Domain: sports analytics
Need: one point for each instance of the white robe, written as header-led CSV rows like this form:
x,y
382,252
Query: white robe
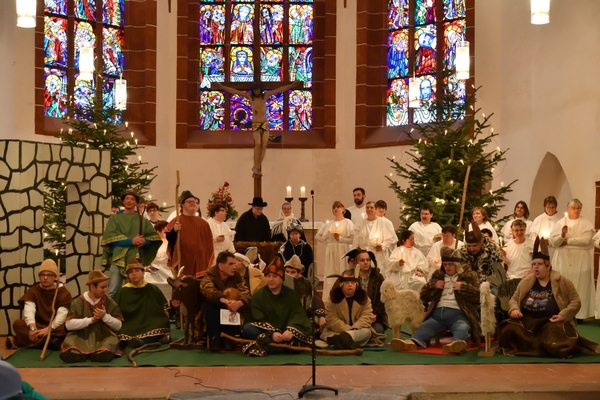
x,y
159,271
507,230
424,234
335,262
543,224
434,258
576,260
379,231
358,214
403,277
487,225
220,228
518,258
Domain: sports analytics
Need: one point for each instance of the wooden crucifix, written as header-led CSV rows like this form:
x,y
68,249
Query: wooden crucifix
x,y
260,122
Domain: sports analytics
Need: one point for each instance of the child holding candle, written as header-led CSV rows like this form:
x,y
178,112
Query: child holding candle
x,y
408,267
337,235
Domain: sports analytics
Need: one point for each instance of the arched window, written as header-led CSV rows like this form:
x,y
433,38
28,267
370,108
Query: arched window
x,y
418,23
248,42
68,26
406,39
99,25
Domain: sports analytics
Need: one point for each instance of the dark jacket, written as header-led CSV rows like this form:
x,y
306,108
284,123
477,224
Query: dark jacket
x,y
374,293
212,286
467,298
252,229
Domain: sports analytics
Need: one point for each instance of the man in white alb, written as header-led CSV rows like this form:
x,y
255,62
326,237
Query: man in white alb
x,y
358,210
375,234
425,230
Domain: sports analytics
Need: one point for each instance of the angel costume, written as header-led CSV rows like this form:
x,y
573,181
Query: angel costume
x,y
380,231
221,229
404,277
335,261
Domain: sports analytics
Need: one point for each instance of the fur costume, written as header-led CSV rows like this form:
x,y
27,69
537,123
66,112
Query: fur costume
x,y
489,253
488,303
536,336
338,315
467,297
401,306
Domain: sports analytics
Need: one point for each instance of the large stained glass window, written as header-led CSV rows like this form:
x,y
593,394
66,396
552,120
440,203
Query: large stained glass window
x,y
95,23
417,31
246,42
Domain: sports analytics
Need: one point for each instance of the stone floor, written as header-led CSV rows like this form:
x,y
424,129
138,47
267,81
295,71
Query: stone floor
x,y
420,382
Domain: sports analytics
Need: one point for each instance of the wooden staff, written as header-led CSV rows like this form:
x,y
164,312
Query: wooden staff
x,y
142,349
141,232
320,352
178,243
462,206
52,317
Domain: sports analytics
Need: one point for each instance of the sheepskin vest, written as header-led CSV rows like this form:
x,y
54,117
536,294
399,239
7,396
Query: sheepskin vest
x,y
467,298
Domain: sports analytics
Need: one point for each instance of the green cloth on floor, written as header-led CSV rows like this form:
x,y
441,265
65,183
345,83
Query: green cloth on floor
x,y
29,358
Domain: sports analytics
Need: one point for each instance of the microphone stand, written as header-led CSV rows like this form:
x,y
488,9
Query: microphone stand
x,y
309,388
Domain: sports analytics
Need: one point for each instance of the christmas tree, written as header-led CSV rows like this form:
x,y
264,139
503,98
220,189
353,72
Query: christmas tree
x,y
96,125
441,153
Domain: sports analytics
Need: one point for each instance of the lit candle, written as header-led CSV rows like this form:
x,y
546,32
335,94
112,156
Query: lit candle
x,y
289,191
402,253
363,215
302,191
56,251
566,216
501,244
164,204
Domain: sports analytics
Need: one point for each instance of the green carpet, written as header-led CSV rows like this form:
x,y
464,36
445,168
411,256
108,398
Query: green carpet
x,y
29,358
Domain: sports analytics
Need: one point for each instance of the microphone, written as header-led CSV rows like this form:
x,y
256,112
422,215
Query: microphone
x,y
312,193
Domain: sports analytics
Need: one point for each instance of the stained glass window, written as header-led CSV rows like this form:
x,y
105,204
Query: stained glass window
x,y
416,32
59,82
246,42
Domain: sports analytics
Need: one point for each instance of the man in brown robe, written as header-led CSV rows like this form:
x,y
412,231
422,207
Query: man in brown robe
x,y
196,238
37,311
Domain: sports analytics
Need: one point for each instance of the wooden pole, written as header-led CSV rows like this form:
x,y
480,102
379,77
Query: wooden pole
x,y
178,242
257,186
53,315
462,206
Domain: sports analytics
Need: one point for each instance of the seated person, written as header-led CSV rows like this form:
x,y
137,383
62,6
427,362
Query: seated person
x,y
215,282
451,299
159,270
276,316
144,309
93,320
542,314
448,238
294,267
37,311
253,277
12,387
349,315
370,280
408,268
279,231
295,245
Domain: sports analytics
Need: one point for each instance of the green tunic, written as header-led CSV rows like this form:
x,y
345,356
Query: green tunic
x,y
143,311
96,337
127,226
277,313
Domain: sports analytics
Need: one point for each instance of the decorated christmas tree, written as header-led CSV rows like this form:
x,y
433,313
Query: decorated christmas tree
x,y
442,152
96,125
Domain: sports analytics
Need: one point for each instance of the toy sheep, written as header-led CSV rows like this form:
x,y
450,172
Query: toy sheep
x,y
401,306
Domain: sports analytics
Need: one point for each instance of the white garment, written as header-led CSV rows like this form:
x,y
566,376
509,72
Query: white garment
x,y
367,234
403,277
220,228
487,225
434,258
29,310
576,260
172,216
358,213
448,298
518,258
159,271
424,234
335,262
75,324
543,224
507,230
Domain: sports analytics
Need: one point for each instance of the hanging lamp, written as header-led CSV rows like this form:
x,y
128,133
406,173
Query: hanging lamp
x,y
86,63
26,13
540,12
414,93
462,60
120,94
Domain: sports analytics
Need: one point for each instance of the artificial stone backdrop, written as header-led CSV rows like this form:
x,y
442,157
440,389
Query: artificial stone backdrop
x,y
24,166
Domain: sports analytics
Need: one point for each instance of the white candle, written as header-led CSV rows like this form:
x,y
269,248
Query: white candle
x,y
302,191
289,191
363,215
566,216
500,241
402,253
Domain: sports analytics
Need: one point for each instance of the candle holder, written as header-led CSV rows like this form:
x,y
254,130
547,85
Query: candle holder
x,y
302,209
289,199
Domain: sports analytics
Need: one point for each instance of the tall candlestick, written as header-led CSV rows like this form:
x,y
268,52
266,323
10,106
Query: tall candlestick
x,y
302,191
289,191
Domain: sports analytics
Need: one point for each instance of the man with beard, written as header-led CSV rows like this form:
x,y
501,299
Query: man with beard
x,y
358,210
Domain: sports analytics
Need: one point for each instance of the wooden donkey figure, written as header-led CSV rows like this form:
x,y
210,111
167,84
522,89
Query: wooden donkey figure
x,y
186,289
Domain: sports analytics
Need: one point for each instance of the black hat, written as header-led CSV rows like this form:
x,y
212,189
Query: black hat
x,y
186,194
131,193
258,202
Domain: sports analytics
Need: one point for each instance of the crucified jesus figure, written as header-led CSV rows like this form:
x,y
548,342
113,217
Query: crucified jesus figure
x,y
260,122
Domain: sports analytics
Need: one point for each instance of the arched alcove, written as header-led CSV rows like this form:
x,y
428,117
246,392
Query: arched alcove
x,y
549,181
